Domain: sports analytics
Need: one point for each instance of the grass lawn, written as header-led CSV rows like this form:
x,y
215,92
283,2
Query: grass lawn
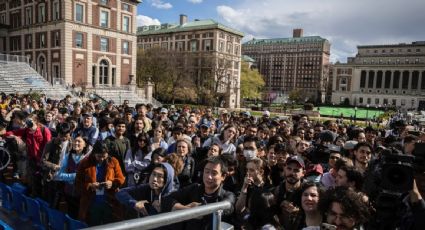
x,y
347,112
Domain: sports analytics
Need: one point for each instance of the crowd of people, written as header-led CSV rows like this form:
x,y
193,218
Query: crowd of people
x,y
103,163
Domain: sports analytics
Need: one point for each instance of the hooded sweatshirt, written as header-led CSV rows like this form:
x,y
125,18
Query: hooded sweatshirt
x,y
131,195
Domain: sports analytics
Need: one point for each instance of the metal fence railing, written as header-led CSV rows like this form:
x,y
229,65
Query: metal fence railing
x,y
13,58
168,218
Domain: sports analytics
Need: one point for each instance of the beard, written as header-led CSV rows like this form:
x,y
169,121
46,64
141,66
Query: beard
x,y
292,180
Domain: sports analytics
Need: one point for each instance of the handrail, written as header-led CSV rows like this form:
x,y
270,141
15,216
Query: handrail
x,y
13,58
168,218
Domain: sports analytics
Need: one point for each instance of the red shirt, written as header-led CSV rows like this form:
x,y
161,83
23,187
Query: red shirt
x,y
35,141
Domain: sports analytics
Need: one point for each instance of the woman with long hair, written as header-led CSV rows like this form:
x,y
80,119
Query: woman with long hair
x,y
67,173
225,139
255,181
265,216
137,160
309,216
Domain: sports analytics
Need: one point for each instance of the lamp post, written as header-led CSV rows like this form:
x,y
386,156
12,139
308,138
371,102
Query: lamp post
x,y
367,114
355,114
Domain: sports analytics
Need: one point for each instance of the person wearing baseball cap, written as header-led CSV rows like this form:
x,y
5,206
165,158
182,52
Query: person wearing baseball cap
x,y
294,171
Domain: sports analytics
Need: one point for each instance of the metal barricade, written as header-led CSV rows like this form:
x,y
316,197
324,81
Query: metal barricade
x,y
168,218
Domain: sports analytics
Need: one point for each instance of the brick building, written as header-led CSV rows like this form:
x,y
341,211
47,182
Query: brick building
x,y
201,38
300,62
381,76
86,42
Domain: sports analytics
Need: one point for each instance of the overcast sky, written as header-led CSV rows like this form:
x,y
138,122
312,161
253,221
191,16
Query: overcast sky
x,y
345,23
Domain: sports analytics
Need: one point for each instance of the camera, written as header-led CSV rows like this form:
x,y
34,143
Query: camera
x,y
397,172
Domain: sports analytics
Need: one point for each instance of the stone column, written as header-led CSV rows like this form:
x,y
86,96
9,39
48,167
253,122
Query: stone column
x,y
375,76
392,79
96,76
409,86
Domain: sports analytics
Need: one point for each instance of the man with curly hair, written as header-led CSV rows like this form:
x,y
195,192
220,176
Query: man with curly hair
x,y
344,208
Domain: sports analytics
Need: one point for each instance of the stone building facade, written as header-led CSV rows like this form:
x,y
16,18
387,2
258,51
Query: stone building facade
x,y
203,38
382,76
300,62
91,43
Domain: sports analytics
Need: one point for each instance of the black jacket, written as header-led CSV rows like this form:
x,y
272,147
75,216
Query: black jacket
x,y
196,193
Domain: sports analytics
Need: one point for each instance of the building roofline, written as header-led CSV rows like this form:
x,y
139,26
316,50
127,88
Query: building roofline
x,y
285,40
416,43
181,28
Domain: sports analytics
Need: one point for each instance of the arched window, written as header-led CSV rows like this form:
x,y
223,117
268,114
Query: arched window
x,y
103,72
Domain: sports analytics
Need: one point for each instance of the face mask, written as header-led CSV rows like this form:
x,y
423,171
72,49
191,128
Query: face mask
x,y
249,154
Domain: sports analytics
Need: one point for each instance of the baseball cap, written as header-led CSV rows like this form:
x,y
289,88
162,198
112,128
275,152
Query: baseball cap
x,y
349,145
206,124
111,102
314,169
246,113
266,113
164,110
87,115
296,159
334,148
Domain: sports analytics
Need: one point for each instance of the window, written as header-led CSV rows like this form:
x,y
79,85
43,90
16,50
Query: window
x,y
3,18
104,44
42,41
56,73
28,41
103,2
56,10
126,24
41,13
126,7
180,46
369,100
79,13
193,45
79,40
104,18
208,45
56,39
28,16
125,49
361,100
221,46
376,101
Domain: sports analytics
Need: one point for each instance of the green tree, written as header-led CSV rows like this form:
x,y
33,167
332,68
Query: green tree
x,y
252,83
297,95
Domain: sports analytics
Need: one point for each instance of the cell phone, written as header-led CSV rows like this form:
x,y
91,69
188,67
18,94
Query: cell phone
x,y
326,226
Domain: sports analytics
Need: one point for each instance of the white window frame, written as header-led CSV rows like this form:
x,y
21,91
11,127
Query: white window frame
x,y
104,47
124,28
28,15
41,9
56,10
126,50
108,13
42,40
82,13
78,40
126,7
57,39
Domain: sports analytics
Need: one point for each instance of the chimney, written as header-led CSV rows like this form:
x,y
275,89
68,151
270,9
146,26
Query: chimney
x,y
183,19
297,33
